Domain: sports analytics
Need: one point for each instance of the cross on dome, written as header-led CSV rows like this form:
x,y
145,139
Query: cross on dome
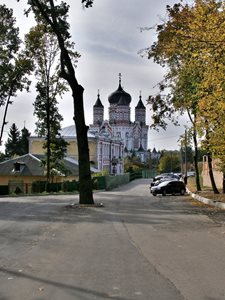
x,y
120,75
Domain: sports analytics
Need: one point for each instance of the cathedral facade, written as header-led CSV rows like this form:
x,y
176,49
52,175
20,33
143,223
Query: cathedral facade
x,y
119,126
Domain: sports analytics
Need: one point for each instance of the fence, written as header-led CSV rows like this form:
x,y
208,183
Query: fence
x,y
99,183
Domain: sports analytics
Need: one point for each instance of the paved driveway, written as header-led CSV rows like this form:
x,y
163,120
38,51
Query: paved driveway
x,y
135,247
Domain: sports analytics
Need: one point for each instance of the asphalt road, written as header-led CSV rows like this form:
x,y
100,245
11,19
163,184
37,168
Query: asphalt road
x,y
135,247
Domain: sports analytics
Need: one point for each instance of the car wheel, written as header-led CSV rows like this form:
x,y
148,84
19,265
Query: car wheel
x,y
154,194
182,192
164,192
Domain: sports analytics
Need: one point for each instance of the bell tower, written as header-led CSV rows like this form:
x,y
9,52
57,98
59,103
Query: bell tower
x,y
98,111
140,112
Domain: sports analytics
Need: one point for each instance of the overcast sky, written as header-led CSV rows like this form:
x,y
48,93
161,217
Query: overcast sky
x,y
108,38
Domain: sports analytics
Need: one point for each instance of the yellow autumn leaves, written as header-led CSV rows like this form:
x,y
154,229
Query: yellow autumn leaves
x,y
191,43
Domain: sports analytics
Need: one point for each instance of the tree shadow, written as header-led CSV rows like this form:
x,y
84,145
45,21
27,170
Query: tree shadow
x,y
63,286
120,205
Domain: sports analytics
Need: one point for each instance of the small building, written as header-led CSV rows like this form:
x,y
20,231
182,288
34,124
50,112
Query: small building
x,y
155,154
19,173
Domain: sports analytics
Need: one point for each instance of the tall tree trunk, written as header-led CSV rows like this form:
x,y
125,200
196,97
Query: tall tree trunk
x,y
223,182
85,182
209,155
48,133
215,190
193,121
68,73
197,177
5,114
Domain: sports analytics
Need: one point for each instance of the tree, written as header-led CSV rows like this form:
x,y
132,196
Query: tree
x,y
191,44
56,17
12,146
14,66
17,142
2,156
42,46
169,162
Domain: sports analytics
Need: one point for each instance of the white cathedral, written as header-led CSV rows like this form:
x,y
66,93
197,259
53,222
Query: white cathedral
x,y
133,135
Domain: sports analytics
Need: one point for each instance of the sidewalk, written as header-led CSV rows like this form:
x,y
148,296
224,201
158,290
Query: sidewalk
x,y
206,201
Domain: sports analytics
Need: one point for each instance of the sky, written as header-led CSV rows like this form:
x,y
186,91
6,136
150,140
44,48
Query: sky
x,y
109,39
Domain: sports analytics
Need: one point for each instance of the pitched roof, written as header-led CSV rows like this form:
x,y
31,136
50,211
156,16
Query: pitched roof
x,y
72,165
70,131
98,102
25,165
31,165
141,149
140,104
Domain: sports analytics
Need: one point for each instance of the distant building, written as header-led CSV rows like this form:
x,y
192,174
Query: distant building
x,y
119,126
104,152
155,154
109,140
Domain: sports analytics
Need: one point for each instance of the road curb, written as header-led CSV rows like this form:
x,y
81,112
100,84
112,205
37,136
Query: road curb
x,y
206,201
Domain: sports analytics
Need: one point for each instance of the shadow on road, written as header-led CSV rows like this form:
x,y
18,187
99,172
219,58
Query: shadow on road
x,y
59,285
123,204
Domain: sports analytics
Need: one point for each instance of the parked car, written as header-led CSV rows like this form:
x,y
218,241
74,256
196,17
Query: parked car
x,y
191,174
161,176
164,177
169,187
154,183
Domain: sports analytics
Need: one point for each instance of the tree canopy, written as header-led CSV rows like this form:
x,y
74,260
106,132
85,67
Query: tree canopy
x,y
191,44
14,65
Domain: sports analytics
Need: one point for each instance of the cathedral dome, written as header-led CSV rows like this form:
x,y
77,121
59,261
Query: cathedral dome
x,y
119,95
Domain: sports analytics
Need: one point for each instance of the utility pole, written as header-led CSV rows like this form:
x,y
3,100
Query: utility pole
x,y
185,157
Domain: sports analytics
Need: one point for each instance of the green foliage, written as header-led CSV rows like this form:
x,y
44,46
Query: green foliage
x,y
14,65
170,162
42,46
2,156
12,146
133,164
17,142
104,172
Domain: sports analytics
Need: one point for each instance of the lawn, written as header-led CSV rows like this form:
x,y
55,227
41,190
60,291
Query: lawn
x,y
206,192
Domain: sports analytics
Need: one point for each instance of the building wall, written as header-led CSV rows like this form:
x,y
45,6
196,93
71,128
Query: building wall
x,y
72,149
101,151
218,175
36,146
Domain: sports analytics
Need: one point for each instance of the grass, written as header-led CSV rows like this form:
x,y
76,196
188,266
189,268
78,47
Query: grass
x,y
206,192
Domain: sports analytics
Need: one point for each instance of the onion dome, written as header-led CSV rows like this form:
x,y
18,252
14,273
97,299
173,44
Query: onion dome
x,y
119,95
122,101
98,102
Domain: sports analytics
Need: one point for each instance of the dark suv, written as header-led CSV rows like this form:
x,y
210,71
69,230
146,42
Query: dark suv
x,y
169,187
